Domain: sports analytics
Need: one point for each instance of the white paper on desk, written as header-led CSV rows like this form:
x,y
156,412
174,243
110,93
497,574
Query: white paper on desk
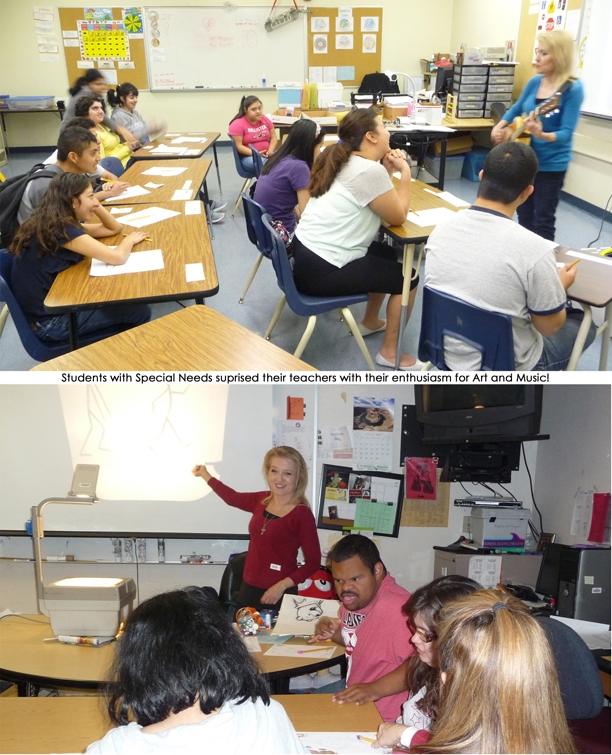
x,y
403,124
398,175
131,191
340,742
151,185
192,152
193,207
120,210
150,146
186,185
293,651
172,134
183,139
299,615
450,198
427,218
596,636
162,170
164,149
148,216
252,644
180,194
194,271
137,262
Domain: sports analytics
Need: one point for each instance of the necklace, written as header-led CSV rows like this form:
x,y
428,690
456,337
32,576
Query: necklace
x,y
270,517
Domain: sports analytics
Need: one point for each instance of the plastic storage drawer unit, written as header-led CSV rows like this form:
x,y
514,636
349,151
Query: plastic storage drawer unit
x,y
30,103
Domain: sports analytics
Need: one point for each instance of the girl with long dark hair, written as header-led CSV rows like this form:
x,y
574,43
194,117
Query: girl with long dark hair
x,y
251,129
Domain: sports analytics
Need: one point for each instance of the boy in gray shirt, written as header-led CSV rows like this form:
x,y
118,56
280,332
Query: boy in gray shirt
x,y
484,258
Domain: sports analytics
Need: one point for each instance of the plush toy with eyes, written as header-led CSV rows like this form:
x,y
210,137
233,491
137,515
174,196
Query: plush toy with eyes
x,y
319,585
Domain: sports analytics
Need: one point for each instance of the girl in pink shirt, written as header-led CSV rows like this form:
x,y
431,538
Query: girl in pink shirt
x,y
249,129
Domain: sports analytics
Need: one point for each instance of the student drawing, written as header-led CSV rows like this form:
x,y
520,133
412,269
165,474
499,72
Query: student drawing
x,y
300,615
307,610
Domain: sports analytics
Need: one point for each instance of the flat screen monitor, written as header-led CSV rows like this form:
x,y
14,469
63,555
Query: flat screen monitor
x,y
457,413
444,82
548,577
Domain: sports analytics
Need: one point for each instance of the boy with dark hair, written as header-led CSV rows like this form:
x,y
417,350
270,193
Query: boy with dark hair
x,y
483,258
371,626
77,152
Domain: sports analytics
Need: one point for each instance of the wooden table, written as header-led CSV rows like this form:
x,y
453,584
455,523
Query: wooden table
x,y
70,724
195,171
195,338
422,197
468,124
28,661
182,238
211,141
592,288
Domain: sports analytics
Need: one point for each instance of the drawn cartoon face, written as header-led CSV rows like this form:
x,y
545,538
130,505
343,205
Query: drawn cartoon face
x,y
307,610
318,585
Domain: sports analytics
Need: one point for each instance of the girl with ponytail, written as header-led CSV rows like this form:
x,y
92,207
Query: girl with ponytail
x,y
334,248
251,129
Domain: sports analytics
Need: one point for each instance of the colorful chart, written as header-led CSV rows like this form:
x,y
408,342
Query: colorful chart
x,y
103,41
132,19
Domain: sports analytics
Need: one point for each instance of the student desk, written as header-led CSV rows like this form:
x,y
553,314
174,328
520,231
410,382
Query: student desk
x,y
422,197
195,171
182,238
211,141
592,288
70,724
195,338
421,136
28,661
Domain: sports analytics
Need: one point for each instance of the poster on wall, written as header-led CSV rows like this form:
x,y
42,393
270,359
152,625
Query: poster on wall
x,y
103,41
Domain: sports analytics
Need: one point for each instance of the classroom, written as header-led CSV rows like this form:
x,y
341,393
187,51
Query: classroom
x,y
217,259
543,452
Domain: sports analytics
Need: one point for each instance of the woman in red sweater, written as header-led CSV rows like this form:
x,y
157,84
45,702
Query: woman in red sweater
x,y
281,524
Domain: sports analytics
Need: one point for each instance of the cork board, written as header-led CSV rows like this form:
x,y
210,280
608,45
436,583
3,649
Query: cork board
x,y
421,513
368,38
69,18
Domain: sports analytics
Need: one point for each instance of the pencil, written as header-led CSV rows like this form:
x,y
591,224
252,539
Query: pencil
x,y
365,739
145,239
575,262
109,180
312,650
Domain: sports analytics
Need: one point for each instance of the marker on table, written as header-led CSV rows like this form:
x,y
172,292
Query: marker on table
x,y
145,239
365,739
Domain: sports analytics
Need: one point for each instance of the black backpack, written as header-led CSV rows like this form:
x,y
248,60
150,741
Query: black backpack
x,y
11,192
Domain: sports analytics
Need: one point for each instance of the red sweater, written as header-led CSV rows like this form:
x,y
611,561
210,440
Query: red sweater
x,y
273,555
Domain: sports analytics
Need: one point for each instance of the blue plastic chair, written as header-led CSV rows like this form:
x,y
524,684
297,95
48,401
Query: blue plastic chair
x,y
253,212
39,350
247,175
304,305
488,332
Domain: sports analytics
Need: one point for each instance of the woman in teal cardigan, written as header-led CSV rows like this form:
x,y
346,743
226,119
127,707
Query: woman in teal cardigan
x,y
551,133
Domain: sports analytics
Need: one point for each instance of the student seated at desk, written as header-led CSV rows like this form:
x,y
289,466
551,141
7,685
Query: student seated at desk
x,y
186,677
251,129
282,187
59,234
484,258
123,100
334,247
499,690
110,144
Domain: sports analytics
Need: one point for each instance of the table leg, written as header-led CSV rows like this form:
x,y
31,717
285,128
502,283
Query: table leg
x,y
407,270
606,335
217,166
580,338
27,689
442,164
207,209
279,686
73,330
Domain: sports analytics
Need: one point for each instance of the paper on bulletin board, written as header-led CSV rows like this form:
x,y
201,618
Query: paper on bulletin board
x,y
294,434
334,443
583,509
428,513
344,41
486,570
319,44
368,43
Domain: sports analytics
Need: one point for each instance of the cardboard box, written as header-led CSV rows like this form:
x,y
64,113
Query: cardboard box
x,y
456,146
392,113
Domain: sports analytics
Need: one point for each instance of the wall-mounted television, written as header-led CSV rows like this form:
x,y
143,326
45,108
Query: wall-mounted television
x,y
472,413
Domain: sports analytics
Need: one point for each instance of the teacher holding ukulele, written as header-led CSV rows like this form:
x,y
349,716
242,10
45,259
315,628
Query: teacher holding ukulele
x,y
552,99
281,524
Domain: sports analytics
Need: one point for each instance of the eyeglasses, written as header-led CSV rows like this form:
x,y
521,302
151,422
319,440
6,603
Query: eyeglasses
x,y
427,638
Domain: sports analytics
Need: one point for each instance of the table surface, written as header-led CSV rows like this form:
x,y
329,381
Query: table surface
x,y
145,154
22,651
182,238
421,198
195,338
69,724
593,284
195,171
468,124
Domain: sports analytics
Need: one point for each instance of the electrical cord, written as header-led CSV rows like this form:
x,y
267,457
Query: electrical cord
x,y
603,217
507,491
531,488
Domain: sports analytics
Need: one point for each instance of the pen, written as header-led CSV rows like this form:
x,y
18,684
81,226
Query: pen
x,y
145,239
365,739
575,262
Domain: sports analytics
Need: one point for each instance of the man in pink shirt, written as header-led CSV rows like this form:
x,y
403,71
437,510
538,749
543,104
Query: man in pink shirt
x,y
371,626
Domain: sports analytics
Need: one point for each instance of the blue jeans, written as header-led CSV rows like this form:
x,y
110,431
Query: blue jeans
x,y
247,163
91,320
558,348
537,214
113,165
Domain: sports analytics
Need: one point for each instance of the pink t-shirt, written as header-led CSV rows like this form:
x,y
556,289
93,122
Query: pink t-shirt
x,y
377,641
253,135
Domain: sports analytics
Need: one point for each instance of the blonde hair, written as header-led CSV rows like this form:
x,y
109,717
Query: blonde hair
x,y
301,483
501,692
560,45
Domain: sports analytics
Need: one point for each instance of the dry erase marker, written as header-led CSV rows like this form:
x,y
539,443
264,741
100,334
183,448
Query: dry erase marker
x,y
575,262
365,739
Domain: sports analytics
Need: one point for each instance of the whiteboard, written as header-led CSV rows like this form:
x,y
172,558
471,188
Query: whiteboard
x,y
595,36
221,48
37,436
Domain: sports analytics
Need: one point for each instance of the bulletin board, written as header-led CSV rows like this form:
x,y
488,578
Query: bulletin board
x,y
123,39
364,33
